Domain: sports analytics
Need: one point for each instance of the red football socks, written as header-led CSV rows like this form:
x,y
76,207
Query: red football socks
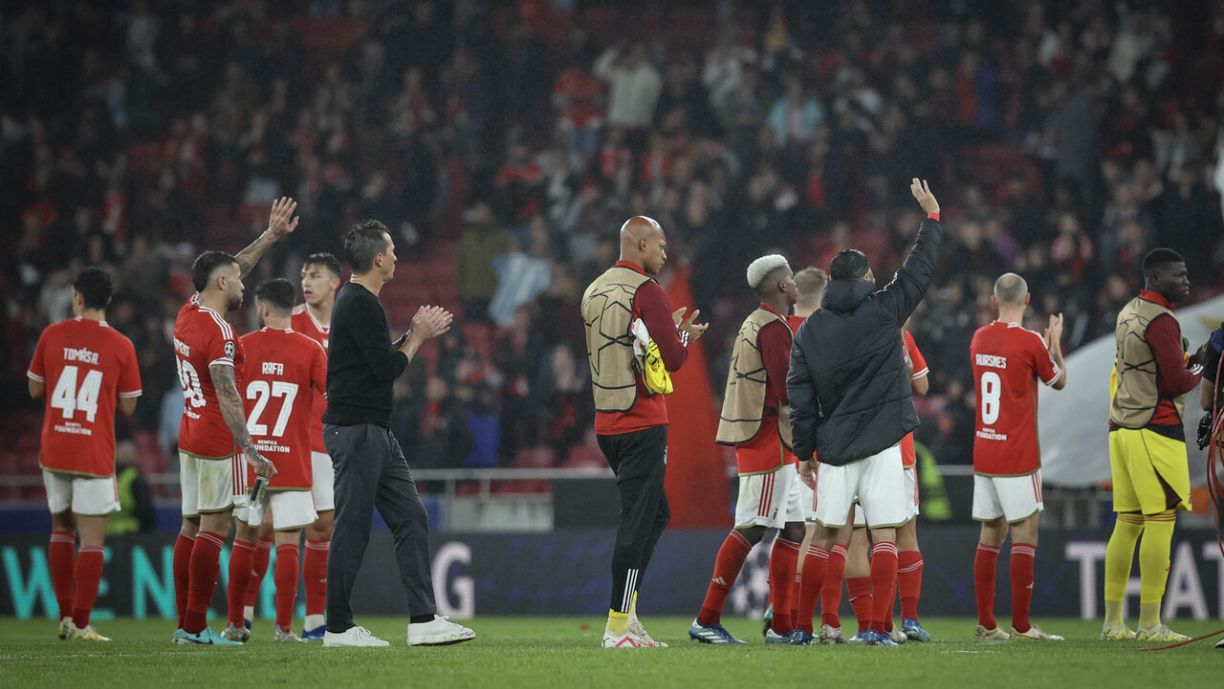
x,y
259,567
909,580
183,546
314,572
985,564
859,589
831,590
883,582
239,578
286,577
88,574
783,560
1023,557
61,556
727,566
811,582
205,567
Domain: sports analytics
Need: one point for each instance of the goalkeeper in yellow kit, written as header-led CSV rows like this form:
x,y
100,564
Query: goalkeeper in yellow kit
x,y
1147,445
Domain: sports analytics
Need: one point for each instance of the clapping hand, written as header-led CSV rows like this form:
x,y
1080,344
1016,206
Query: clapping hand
x,y
430,322
1053,332
689,325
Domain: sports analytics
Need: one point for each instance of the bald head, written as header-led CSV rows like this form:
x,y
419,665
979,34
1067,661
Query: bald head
x,y
1010,290
643,242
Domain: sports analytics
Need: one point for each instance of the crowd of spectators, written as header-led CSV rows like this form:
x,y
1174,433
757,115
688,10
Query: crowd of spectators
x,y
506,141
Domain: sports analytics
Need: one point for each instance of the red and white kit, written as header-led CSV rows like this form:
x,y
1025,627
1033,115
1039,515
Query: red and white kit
x,y
285,371
323,488
211,471
1007,361
86,366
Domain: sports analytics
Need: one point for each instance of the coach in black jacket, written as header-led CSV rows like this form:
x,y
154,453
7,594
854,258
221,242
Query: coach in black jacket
x,y
851,400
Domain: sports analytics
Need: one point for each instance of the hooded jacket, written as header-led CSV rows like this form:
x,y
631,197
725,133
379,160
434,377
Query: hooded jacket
x,y
849,393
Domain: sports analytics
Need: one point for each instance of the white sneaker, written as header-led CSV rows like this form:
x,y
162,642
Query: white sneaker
x,y
65,628
438,632
635,626
626,640
354,637
1221,644
1036,633
831,635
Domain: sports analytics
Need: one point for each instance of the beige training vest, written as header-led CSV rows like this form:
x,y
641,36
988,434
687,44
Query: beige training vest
x,y
744,397
1134,402
607,311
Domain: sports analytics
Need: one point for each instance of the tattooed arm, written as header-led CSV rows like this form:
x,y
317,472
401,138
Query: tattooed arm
x,y
235,417
279,225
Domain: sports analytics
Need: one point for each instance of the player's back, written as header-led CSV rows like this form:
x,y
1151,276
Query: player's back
x,y
285,371
86,366
202,339
1007,361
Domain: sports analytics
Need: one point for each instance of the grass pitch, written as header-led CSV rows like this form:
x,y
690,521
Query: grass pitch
x,y
539,652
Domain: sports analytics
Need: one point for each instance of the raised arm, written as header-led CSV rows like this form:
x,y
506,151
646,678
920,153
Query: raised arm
x,y
235,417
279,225
909,286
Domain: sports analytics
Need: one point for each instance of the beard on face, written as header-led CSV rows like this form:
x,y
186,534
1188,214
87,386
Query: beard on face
x,y
235,302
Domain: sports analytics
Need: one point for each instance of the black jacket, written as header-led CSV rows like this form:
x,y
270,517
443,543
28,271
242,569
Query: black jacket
x,y
849,394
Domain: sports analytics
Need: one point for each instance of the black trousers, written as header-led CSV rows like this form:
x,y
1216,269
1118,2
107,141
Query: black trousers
x,y
639,461
371,472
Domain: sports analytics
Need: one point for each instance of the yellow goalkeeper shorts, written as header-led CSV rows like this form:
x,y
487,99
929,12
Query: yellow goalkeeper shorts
x,y
1151,472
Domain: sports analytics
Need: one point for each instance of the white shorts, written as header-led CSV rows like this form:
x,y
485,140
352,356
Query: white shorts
x,y
770,500
322,482
911,492
877,483
1015,498
211,485
84,495
291,509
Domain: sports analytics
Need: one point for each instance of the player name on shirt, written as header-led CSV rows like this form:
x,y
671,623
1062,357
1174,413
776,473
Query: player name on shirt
x,y
81,355
991,361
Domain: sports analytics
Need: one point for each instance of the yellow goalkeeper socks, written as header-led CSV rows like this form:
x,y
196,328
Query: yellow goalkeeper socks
x,y
1154,565
618,622
1119,554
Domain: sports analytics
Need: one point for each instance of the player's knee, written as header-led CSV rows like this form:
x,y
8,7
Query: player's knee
x,y
752,534
64,521
792,531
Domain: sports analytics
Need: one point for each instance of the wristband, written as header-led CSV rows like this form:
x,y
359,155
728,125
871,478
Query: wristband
x,y
934,216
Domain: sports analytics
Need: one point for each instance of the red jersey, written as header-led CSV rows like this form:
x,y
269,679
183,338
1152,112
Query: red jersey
x,y
305,323
285,372
203,338
86,365
1008,360
917,362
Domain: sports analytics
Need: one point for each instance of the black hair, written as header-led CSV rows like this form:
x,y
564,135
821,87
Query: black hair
x,y
849,264
278,294
94,286
326,260
1160,257
366,240
204,265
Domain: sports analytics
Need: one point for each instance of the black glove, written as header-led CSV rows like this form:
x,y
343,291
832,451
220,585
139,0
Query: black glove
x,y
1204,431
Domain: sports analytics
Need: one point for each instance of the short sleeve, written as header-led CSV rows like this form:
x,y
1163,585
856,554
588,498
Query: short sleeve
x,y
38,365
222,348
1043,362
129,372
917,361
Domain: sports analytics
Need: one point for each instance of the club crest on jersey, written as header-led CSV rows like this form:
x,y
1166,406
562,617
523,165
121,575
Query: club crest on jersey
x,y
229,349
